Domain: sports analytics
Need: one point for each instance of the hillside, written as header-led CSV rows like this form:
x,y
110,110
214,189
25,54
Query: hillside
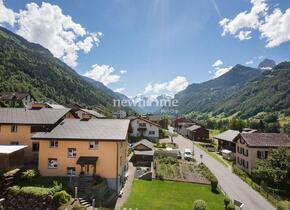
x,y
269,92
205,96
26,66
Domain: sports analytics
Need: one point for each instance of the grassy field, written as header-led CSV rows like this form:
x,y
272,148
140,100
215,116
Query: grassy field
x,y
168,195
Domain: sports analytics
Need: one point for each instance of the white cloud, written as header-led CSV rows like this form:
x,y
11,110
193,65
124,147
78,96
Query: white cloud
x,y
244,35
249,62
46,24
177,84
245,19
123,71
103,73
6,15
274,27
217,63
218,69
119,90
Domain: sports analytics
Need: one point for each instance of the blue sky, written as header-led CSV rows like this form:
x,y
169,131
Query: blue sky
x,y
157,41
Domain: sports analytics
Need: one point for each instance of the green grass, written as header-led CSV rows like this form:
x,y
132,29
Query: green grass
x,y
213,155
168,195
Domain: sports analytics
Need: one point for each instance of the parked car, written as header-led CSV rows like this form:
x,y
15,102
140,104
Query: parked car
x,y
188,154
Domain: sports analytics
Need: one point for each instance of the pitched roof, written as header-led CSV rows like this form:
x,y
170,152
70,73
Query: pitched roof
x,y
193,128
8,149
266,139
55,106
44,116
93,129
148,121
146,152
145,142
8,96
94,113
229,135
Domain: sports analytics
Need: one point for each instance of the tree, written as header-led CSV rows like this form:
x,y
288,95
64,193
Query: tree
x,y
29,174
275,170
199,205
231,207
227,201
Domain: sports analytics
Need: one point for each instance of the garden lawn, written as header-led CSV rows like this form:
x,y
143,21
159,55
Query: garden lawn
x,y
169,195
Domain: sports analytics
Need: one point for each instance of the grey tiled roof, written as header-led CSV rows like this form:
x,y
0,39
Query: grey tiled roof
x,y
145,142
94,129
193,127
266,139
44,116
94,113
229,135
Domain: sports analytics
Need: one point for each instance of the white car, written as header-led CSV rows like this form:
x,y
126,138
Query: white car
x,y
188,154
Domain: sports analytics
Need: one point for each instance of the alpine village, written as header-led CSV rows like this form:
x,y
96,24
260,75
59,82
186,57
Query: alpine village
x,y
64,145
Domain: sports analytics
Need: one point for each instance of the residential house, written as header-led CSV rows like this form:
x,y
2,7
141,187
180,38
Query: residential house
x,y
227,140
11,156
197,133
94,147
144,128
143,152
39,105
18,125
120,114
182,127
17,99
253,146
158,119
89,114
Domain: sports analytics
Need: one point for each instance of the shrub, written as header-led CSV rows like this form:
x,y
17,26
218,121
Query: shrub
x,y
29,174
214,184
199,205
78,207
227,201
56,187
36,191
231,207
283,205
61,197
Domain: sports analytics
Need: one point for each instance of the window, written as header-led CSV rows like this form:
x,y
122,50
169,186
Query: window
x,y
14,143
245,152
151,132
53,144
242,141
13,128
72,152
71,171
93,145
35,147
142,124
52,163
262,154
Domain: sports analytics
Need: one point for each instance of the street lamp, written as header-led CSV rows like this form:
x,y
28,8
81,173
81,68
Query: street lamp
x,y
201,156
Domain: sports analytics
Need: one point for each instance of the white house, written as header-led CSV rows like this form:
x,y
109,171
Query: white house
x,y
120,114
145,128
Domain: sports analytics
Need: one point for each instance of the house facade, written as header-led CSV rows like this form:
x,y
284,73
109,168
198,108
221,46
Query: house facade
x,y
197,133
227,140
143,153
17,99
251,147
144,128
18,125
93,147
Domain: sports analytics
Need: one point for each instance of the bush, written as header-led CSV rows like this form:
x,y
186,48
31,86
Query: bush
x,y
231,207
36,191
61,197
214,184
283,205
78,207
29,174
226,201
199,205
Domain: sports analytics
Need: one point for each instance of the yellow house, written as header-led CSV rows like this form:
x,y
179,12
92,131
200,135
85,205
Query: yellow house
x,y
85,147
18,125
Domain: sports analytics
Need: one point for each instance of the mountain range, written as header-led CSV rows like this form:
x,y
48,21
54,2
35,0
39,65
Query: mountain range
x,y
26,66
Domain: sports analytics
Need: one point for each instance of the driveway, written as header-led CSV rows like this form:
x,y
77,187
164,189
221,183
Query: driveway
x,y
231,184
127,188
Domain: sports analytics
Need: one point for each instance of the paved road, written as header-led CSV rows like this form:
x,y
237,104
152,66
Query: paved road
x,y
231,184
127,188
